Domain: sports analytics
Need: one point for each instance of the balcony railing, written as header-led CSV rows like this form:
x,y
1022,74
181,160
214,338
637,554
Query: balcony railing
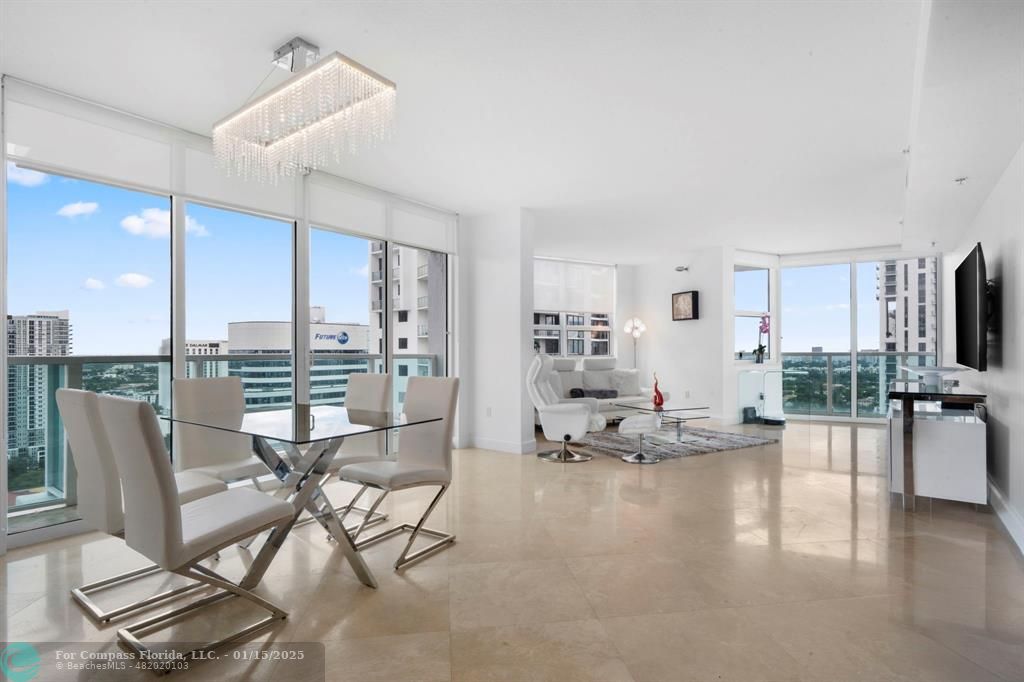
x,y
41,473
825,389
422,302
376,246
376,305
396,272
421,272
376,276
422,330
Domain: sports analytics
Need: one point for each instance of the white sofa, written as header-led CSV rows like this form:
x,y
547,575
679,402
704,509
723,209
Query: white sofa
x,y
597,374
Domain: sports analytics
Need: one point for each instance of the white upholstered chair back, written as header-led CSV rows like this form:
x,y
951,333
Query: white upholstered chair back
x,y
218,401
152,511
429,446
538,382
99,488
371,392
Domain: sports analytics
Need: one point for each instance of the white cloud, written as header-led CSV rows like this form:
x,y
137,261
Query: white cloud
x,y
93,283
78,208
134,280
361,272
156,223
26,177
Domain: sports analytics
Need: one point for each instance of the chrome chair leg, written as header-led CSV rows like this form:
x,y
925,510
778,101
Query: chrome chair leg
x,y
366,519
405,559
132,634
564,455
343,510
81,595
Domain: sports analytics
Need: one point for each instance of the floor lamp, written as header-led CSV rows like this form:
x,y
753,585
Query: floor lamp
x,y
635,327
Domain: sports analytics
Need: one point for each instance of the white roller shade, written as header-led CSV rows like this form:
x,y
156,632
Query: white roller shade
x,y
204,180
65,135
422,227
573,287
344,206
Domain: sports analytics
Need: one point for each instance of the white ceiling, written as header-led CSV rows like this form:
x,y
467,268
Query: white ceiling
x,y
971,119
630,128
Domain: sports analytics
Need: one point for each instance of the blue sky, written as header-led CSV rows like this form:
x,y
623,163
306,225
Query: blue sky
x,y
103,253
815,307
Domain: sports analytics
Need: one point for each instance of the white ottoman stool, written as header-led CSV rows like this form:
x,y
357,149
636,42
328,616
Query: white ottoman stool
x,y
640,425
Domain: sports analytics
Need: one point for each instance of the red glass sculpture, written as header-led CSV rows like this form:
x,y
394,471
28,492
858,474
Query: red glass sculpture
x,y
659,399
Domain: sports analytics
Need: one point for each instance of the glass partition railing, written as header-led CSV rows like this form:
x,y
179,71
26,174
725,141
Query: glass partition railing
x,y
41,476
827,387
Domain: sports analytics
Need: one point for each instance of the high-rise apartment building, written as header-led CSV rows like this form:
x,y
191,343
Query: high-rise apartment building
x,y
907,291
41,334
418,286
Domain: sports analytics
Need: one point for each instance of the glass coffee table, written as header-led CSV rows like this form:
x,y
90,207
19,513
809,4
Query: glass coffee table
x,y
670,414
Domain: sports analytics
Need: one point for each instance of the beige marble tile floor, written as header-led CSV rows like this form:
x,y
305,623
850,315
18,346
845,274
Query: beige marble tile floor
x,y
781,562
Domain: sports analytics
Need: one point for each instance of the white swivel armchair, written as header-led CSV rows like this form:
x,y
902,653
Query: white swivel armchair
x,y
176,536
561,419
221,454
99,497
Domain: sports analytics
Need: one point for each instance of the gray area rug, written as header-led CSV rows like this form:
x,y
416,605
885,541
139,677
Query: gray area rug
x,y
662,444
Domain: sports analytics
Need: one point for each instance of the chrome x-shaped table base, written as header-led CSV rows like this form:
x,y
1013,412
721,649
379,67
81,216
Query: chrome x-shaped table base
x,y
301,475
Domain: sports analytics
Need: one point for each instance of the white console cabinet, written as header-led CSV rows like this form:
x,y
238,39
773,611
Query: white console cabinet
x,y
949,453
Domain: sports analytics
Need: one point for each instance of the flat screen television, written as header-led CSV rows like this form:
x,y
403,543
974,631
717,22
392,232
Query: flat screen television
x,y
972,311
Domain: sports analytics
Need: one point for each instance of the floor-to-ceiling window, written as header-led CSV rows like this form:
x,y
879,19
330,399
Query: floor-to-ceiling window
x,y
88,287
896,325
238,297
344,329
816,339
574,308
418,283
892,305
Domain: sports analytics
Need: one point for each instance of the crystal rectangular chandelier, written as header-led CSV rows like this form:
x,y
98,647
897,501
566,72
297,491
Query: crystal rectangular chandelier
x,y
333,107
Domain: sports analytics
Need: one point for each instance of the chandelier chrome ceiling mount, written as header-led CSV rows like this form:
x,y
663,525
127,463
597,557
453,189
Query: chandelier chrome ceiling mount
x,y
330,107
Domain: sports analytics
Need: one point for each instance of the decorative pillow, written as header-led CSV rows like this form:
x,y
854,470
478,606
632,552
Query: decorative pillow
x,y
598,393
601,380
569,381
626,381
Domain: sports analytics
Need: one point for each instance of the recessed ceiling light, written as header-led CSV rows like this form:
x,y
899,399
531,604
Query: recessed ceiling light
x,y
961,180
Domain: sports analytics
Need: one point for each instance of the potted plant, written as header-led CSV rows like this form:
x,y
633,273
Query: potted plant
x,y
762,330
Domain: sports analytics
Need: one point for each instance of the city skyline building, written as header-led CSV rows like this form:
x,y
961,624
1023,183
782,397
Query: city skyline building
x,y
907,295
40,334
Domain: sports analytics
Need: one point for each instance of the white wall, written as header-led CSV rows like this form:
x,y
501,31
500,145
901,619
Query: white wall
x,y
999,226
688,356
496,280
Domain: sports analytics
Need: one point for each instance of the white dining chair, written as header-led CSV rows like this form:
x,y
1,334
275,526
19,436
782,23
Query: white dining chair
x,y
176,536
99,497
424,459
226,455
369,393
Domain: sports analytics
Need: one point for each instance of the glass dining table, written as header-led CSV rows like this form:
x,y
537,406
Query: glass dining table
x,y
297,444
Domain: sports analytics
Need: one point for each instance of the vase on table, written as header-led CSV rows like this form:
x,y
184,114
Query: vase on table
x,y
657,398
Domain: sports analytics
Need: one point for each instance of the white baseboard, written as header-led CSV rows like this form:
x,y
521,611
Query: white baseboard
x,y
524,448
60,530
1011,519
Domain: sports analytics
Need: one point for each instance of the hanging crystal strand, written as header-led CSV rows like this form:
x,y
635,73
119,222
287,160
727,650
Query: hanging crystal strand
x,y
333,111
